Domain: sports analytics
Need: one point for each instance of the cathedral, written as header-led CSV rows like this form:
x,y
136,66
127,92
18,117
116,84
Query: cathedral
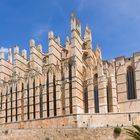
x,y
69,86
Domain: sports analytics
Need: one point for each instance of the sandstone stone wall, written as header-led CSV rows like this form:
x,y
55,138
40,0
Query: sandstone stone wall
x,y
62,134
59,85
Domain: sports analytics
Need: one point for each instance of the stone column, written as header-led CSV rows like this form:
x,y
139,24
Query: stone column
x,y
37,99
114,93
121,79
19,99
137,73
51,109
25,100
31,98
102,83
44,94
90,95
66,92
58,92
8,105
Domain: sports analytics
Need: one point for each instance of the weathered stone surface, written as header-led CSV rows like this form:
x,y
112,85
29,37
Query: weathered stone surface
x,y
62,134
69,87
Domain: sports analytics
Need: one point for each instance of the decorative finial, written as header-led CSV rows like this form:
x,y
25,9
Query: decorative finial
x,y
32,43
16,49
87,34
72,13
67,39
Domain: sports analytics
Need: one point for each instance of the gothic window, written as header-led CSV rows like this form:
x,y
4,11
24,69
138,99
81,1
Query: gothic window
x,y
22,102
1,101
85,97
96,99
70,88
85,100
109,98
11,103
95,80
41,101
63,91
28,105
47,88
96,96
6,106
16,104
54,96
131,93
34,96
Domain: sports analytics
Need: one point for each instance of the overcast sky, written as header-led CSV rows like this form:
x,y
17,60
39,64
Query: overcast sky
x,y
115,24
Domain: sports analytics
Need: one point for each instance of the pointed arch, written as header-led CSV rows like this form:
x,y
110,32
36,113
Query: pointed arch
x,y
11,103
22,101
6,105
85,91
47,91
28,101
109,97
85,96
16,104
131,92
96,99
34,96
54,95
96,94
1,101
70,88
41,101
63,91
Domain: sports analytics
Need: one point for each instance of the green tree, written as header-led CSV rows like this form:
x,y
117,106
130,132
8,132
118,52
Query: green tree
x,y
134,133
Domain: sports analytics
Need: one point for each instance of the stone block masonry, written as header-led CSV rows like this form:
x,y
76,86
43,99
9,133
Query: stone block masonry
x,y
70,86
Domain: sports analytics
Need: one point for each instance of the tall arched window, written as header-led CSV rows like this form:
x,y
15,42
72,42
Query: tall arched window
x,y
6,102
54,96
96,95
70,88
63,91
109,98
16,104
34,109
96,99
1,101
41,101
85,100
22,102
11,103
131,92
28,101
47,91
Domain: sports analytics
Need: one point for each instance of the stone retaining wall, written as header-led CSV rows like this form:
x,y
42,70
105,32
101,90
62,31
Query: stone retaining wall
x,y
62,134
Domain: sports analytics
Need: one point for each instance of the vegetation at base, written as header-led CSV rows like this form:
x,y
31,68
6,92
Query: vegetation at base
x,y
134,133
117,130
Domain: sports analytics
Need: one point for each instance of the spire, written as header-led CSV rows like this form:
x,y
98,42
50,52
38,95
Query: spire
x,y
16,49
24,54
78,26
32,43
10,55
72,14
98,51
87,34
67,41
97,47
73,21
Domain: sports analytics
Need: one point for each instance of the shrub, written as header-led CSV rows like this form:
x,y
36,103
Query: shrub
x,y
117,130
